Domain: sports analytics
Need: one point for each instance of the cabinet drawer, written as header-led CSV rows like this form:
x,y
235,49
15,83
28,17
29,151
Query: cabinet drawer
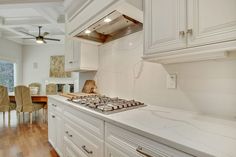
x,y
71,150
55,106
131,143
86,142
92,125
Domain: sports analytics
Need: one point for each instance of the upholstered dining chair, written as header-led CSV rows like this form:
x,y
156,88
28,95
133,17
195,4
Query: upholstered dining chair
x,y
5,105
24,102
51,89
38,85
35,84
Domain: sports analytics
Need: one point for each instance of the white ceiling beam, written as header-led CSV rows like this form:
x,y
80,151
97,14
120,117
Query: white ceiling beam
x,y
9,22
52,16
12,30
29,1
8,28
19,41
28,4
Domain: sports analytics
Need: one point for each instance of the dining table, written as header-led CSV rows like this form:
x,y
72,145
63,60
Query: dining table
x,y
35,98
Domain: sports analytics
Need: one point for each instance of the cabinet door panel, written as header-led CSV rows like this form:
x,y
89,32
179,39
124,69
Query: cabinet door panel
x,y
211,21
113,152
72,150
68,53
76,53
51,129
165,25
59,134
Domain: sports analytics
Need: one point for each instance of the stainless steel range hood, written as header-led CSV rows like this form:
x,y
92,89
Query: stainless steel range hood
x,y
113,26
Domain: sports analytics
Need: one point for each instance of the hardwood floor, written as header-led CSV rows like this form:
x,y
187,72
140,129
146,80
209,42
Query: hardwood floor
x,y
20,139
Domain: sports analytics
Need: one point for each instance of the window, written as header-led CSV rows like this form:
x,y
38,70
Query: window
x,y
7,75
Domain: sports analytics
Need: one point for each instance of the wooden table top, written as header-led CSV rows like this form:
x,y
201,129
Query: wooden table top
x,y
35,98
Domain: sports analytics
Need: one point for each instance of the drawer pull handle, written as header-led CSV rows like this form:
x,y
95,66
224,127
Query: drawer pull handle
x,y
86,150
54,105
182,33
140,150
190,31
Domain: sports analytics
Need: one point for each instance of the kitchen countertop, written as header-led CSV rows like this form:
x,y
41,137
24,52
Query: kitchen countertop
x,y
189,132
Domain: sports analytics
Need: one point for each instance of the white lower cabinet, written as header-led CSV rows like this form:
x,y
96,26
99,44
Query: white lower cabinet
x,y
76,134
88,144
55,129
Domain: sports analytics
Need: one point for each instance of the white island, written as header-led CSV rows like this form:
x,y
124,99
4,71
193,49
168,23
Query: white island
x,y
149,131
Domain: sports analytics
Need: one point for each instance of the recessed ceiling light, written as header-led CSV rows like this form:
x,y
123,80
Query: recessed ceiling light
x,y
107,20
87,31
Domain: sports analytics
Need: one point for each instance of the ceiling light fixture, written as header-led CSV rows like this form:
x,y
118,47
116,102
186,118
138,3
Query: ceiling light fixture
x,y
87,31
107,20
39,40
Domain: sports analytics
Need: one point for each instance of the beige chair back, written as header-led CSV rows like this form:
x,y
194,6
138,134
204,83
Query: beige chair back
x,y
4,99
51,89
23,99
35,84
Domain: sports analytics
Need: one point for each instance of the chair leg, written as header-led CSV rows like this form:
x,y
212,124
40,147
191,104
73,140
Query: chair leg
x,y
44,115
18,116
3,118
30,117
23,114
9,117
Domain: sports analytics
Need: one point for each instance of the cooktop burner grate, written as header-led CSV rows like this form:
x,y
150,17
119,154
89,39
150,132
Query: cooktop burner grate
x,y
106,104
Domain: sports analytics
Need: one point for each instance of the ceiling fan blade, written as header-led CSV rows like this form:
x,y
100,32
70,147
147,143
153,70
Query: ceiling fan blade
x,y
52,39
44,42
27,33
45,34
27,38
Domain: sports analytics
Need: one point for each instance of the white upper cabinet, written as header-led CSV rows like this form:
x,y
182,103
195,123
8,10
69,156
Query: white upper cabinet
x,y
211,21
189,30
165,25
80,56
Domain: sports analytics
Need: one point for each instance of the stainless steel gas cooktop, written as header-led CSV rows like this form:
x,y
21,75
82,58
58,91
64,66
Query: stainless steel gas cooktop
x,y
106,104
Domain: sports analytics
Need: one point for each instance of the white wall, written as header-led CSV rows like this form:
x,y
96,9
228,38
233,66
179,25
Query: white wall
x,y
83,76
207,87
11,51
40,54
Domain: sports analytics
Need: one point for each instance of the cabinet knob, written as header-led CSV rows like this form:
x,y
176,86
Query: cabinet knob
x,y
54,105
190,31
53,116
70,62
70,136
182,33
140,151
67,132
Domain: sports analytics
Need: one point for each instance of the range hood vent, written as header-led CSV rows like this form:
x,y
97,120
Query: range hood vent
x,y
117,26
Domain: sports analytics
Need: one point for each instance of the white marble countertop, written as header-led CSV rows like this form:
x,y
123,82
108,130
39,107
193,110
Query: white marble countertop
x,y
190,132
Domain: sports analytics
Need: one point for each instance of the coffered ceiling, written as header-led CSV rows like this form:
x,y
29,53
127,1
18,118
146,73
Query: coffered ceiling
x,y
27,15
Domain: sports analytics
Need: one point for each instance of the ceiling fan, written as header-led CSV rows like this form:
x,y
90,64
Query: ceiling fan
x,y
40,39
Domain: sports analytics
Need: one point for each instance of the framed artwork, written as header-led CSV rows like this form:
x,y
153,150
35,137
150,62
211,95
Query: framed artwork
x,y
57,67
